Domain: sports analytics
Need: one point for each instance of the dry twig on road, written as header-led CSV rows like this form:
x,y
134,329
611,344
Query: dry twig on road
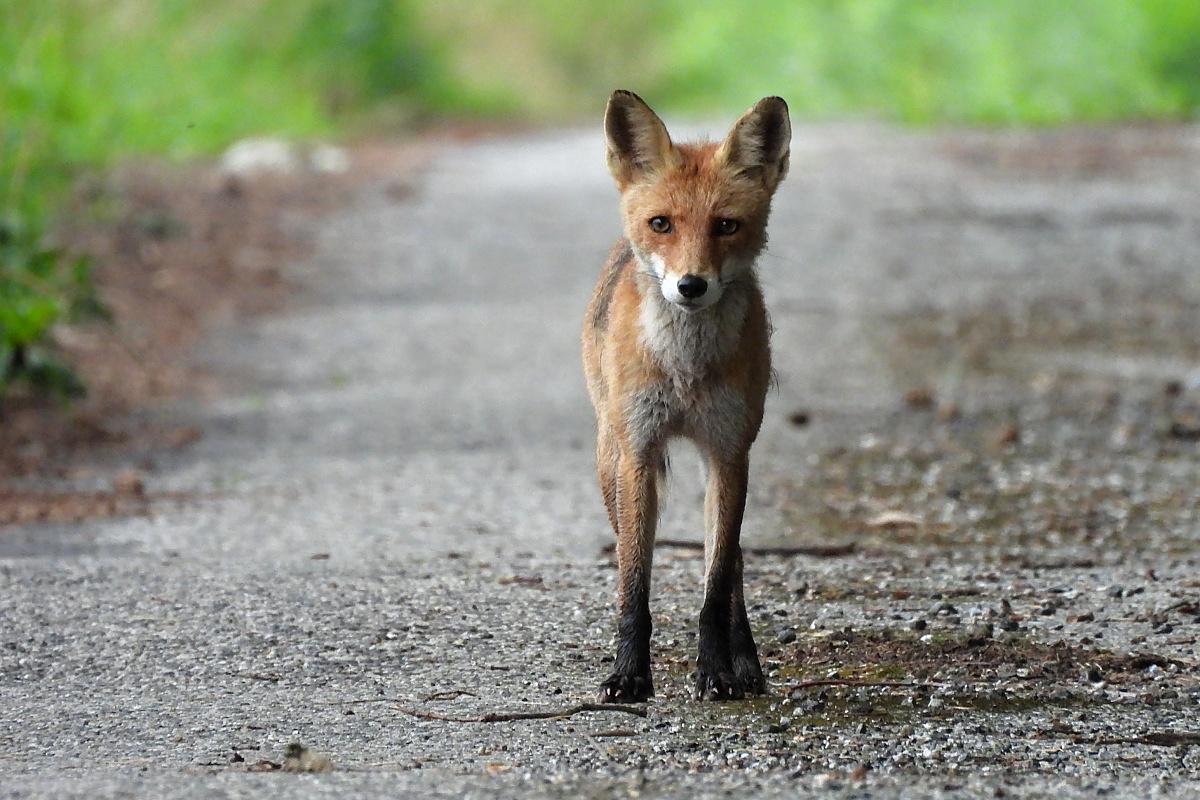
x,y
562,713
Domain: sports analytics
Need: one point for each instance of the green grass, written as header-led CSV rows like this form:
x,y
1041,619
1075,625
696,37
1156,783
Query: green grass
x,y
85,82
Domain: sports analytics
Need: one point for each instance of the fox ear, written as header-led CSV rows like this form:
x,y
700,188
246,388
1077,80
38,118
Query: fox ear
x,y
758,144
637,141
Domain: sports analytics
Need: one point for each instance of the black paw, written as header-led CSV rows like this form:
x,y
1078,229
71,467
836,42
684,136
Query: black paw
x,y
750,674
625,689
718,685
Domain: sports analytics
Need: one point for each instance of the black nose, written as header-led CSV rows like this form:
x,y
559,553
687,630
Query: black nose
x,y
692,286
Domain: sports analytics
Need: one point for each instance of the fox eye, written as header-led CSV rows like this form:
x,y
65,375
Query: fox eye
x,y
727,227
660,224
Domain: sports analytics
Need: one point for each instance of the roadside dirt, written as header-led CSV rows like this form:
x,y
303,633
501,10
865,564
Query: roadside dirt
x,y
178,251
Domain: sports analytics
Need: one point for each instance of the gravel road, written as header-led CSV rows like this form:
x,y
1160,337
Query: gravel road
x,y
974,504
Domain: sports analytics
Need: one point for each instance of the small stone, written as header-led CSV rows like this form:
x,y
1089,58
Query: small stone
x,y
785,635
948,411
811,706
1185,426
918,625
1006,436
827,781
1122,435
799,418
128,482
980,634
919,398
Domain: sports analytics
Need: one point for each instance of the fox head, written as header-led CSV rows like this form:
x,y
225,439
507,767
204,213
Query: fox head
x,y
696,214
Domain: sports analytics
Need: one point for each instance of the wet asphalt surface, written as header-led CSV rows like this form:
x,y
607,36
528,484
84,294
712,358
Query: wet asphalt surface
x,y
988,362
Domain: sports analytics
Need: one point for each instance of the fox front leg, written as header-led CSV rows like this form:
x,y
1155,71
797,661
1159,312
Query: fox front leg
x,y
636,493
727,665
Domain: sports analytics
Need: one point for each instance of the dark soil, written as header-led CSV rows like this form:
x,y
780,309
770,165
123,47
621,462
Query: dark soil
x,y
967,658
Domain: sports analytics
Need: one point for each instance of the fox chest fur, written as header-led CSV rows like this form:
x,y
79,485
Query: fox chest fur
x,y
663,372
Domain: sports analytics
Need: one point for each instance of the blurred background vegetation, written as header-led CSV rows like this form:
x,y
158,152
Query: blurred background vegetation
x,y
85,82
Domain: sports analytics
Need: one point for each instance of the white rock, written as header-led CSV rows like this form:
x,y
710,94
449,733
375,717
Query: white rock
x,y
261,155
275,155
329,160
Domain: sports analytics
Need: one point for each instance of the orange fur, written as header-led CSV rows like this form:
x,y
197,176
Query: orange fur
x,y
675,344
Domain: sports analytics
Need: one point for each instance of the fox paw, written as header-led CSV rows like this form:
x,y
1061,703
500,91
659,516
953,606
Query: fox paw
x,y
625,689
750,674
718,685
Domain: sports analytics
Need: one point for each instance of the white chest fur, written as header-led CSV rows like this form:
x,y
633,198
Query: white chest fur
x,y
686,345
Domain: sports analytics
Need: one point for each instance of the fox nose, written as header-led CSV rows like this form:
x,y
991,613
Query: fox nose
x,y
692,286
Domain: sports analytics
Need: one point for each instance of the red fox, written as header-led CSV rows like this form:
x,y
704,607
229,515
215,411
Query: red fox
x,y
675,343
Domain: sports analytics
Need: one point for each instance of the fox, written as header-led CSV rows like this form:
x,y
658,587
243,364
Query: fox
x,y
676,345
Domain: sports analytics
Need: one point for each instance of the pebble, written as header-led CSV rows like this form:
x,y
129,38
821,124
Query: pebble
x,y
981,632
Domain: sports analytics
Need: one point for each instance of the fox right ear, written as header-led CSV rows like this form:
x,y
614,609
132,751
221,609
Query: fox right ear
x,y
637,141
759,142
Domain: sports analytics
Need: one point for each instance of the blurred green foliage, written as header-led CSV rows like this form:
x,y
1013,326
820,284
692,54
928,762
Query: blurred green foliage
x,y
83,82
38,287
962,61
1017,61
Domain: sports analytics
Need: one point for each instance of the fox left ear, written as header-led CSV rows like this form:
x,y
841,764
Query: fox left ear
x,y
758,144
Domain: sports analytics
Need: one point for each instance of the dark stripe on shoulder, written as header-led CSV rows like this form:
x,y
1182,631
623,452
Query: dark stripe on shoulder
x,y
618,257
